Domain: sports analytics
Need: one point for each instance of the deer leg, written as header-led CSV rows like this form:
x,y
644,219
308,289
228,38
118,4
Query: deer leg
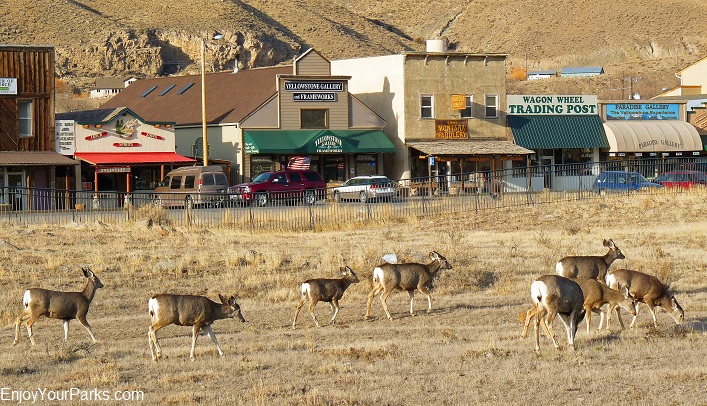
x,y
195,333
633,322
212,336
569,327
30,322
538,319
19,321
427,293
528,316
618,316
66,330
548,322
311,311
299,306
653,312
589,318
82,320
384,297
371,295
152,339
334,304
411,293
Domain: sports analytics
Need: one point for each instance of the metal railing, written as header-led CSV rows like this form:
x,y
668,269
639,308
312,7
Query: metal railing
x,y
419,197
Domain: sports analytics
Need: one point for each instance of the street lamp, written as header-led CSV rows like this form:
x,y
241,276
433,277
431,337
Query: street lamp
x,y
205,140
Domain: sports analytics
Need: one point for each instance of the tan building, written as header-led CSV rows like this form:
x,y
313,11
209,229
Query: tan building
x,y
442,105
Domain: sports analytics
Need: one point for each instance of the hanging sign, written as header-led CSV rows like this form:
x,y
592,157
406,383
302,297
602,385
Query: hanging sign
x,y
458,101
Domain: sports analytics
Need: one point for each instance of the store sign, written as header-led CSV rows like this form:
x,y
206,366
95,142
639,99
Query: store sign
x,y
314,97
113,169
8,85
314,86
700,119
458,101
451,129
571,105
328,144
643,111
65,137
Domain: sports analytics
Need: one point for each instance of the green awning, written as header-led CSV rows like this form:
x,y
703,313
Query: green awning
x,y
555,132
704,141
316,141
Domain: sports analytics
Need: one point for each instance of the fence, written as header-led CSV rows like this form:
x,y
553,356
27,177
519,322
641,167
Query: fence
x,y
420,197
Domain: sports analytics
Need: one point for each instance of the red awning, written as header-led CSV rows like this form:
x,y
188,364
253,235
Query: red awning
x,y
127,158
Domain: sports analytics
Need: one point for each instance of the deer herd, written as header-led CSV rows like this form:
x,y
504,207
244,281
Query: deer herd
x,y
582,286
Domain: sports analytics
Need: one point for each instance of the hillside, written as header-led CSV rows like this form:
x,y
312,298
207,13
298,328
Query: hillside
x,y
639,39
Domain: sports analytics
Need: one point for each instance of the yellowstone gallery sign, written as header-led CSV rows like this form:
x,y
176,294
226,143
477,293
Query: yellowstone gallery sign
x,y
552,104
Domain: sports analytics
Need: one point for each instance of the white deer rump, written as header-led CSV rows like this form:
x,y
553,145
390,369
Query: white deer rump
x,y
377,275
26,299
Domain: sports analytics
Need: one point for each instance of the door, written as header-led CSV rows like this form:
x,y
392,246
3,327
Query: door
x,y
547,164
17,192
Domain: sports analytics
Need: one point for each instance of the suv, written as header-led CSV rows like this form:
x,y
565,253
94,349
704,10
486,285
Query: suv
x,y
292,185
191,185
622,181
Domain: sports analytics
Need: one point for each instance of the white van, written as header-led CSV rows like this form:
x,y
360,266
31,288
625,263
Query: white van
x,y
192,185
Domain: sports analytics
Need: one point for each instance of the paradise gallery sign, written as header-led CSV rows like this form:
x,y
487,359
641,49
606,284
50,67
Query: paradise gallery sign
x,y
552,105
451,129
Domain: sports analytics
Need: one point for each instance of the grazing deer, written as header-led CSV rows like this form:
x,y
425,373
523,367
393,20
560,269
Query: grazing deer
x,y
554,295
589,267
646,289
65,306
325,290
597,294
187,310
388,277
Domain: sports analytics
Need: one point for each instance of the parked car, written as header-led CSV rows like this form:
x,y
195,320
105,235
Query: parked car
x,y
291,185
622,181
365,188
682,179
192,185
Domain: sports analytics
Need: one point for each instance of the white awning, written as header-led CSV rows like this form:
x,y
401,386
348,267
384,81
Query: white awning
x,y
652,136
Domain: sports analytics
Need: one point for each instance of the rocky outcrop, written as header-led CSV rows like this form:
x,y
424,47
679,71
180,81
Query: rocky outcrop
x,y
153,53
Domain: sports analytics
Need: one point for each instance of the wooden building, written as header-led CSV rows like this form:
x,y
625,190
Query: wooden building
x,y
27,142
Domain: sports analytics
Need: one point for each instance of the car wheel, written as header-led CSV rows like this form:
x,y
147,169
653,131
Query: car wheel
x,y
337,197
189,202
363,197
309,198
261,200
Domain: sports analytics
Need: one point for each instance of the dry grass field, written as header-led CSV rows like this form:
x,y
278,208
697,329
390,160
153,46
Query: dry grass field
x,y
467,351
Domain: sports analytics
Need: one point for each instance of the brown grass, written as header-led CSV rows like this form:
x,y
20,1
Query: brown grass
x,y
468,351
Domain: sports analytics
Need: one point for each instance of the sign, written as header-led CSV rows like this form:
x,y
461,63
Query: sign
x,y
571,105
328,144
699,120
451,129
86,185
197,149
431,160
8,85
65,137
249,148
113,169
315,97
315,86
643,111
458,101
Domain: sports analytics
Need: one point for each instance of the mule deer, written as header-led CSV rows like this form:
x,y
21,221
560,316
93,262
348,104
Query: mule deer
x,y
589,267
597,294
186,310
555,295
646,289
410,276
325,290
65,306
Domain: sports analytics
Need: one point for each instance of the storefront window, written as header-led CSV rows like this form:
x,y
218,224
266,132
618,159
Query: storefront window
x,y
311,118
365,164
334,168
260,164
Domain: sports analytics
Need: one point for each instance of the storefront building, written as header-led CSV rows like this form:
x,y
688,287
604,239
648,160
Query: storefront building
x,y
639,131
564,131
443,110
120,152
27,156
313,121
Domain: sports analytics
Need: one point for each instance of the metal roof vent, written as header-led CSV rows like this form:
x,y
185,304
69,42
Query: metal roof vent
x,y
437,45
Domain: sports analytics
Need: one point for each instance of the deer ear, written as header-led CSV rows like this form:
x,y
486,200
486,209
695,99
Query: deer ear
x,y
232,301
87,272
223,299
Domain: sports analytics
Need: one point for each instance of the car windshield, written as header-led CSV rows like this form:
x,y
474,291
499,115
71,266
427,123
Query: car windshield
x,y
263,177
382,181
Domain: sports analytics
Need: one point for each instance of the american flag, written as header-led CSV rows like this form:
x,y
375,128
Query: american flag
x,y
299,162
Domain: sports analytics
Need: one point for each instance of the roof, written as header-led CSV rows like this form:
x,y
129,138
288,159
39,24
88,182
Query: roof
x,y
34,158
100,116
652,136
582,69
469,147
229,96
110,83
542,72
98,158
554,132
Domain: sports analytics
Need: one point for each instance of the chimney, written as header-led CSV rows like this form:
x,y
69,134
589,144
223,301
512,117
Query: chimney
x,y
437,45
